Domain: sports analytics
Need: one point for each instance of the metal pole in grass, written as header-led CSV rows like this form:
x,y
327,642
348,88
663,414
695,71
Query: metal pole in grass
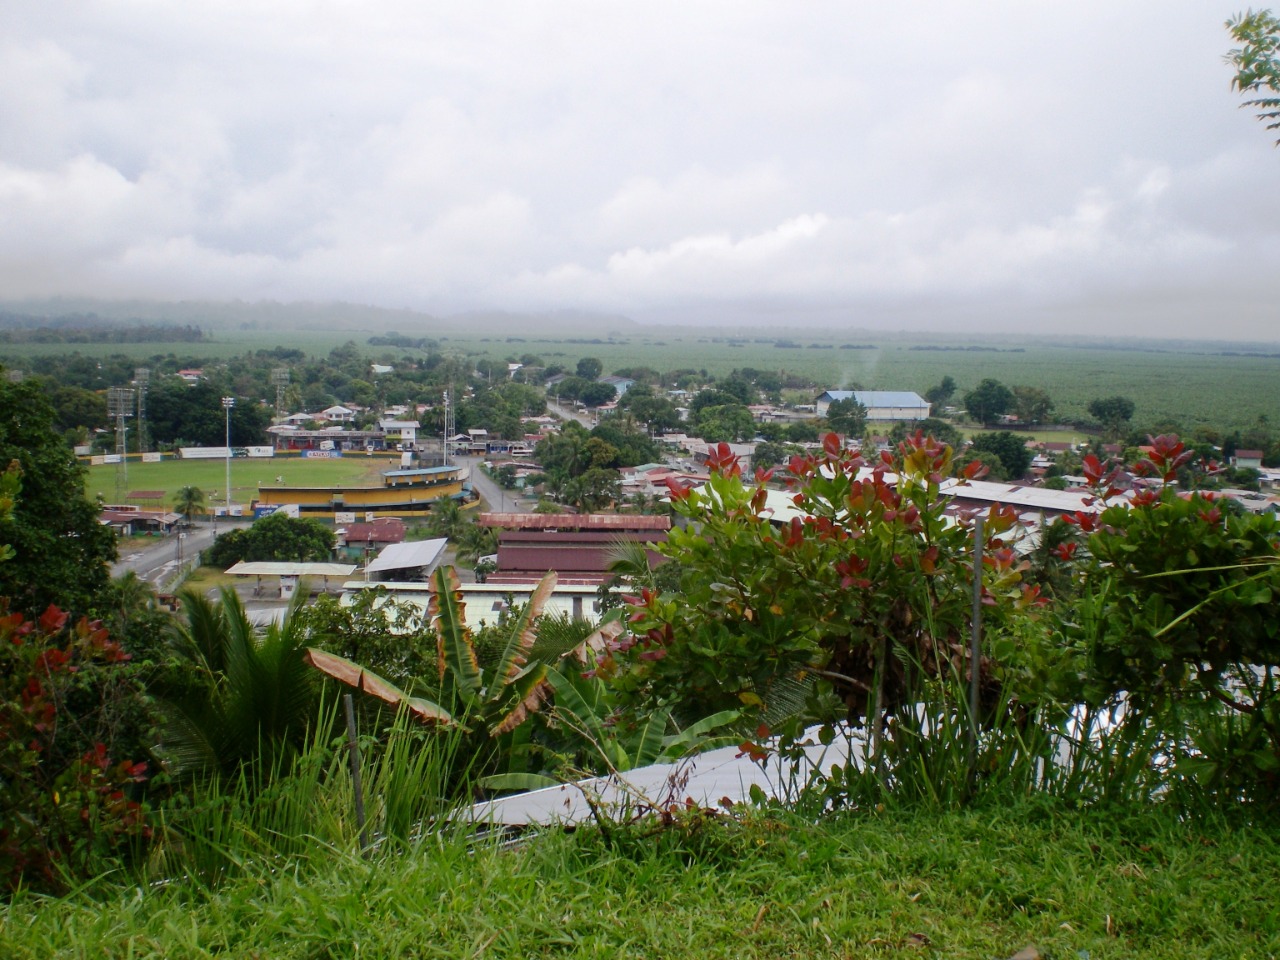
x,y
353,746
975,644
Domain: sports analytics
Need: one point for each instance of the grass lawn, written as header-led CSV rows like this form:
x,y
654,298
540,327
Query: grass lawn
x,y
246,476
1050,436
982,883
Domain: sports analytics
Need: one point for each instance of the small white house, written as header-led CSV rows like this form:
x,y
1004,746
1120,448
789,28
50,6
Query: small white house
x,y
337,414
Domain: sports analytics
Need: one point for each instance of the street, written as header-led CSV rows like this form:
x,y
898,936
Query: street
x,y
497,499
155,561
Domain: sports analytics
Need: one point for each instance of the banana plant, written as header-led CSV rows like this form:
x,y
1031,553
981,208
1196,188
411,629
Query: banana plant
x,y
496,699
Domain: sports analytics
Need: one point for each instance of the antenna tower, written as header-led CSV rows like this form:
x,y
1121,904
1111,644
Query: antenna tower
x,y
119,408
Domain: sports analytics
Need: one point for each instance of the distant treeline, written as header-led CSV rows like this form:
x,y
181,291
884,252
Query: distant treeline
x,y
403,342
973,349
90,328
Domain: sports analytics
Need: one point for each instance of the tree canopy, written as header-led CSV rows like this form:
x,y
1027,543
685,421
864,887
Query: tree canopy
x,y
847,417
277,537
988,401
1010,448
60,548
1257,62
1112,412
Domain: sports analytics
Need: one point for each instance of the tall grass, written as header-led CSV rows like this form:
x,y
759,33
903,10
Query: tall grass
x,y
412,779
1107,755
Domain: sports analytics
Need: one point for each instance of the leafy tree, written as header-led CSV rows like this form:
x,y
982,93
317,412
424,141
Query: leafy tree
x,y
802,431
658,413
1010,448
589,368
940,395
77,407
276,537
1114,413
988,401
593,490
61,551
940,430
847,417
1031,404
768,454
1257,61
712,397
732,422
632,446
373,629
597,394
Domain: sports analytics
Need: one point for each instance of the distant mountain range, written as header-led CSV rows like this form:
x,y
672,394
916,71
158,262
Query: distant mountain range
x,y
226,316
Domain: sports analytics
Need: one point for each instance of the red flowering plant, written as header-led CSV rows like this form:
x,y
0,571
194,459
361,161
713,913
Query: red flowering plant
x,y
830,601
1178,611
65,802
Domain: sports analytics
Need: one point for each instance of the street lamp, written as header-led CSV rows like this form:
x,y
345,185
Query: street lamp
x,y
227,404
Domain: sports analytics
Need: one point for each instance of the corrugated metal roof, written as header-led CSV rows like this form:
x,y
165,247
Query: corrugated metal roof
x,y
879,398
399,556
574,521
266,568
706,779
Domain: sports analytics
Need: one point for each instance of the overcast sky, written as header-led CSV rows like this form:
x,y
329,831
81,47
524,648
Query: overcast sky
x,y
1063,167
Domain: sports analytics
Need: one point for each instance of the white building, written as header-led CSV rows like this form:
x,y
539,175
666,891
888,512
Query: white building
x,y
882,405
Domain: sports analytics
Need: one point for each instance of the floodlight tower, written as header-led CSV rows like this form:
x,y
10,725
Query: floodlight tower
x,y
142,379
227,404
448,427
280,377
120,406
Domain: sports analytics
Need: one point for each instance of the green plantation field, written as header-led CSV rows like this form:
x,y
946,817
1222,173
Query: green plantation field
x,y
1190,384
246,476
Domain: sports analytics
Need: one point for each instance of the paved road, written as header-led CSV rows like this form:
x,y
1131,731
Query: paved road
x,y
568,413
496,499
154,562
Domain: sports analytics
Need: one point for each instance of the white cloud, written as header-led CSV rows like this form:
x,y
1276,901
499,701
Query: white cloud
x,y
632,158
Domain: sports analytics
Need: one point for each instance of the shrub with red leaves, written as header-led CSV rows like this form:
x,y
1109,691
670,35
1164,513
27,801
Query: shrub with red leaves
x,y
65,804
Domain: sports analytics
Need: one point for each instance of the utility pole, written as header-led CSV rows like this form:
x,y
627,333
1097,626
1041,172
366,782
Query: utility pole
x,y
227,404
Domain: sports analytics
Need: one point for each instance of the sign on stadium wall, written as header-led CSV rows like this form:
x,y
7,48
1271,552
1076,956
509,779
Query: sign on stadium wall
x,y
261,451
288,509
151,458
344,516
322,454
204,453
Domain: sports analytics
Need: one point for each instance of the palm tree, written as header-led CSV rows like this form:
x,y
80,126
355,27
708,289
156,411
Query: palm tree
x,y
187,501
254,698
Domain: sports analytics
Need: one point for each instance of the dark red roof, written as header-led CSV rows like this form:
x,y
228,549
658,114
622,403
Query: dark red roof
x,y
612,522
575,555
382,530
